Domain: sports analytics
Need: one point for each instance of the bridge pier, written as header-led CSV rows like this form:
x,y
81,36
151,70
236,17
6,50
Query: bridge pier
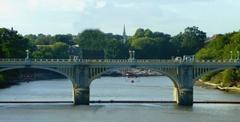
x,y
81,96
185,85
185,97
175,94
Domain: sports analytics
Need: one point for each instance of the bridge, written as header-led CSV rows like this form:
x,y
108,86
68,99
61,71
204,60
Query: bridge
x,y
83,71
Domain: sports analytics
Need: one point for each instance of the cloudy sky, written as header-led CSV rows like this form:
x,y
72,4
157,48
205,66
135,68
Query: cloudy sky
x,y
73,16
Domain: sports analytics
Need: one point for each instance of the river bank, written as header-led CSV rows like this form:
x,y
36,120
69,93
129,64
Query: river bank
x,y
207,84
132,73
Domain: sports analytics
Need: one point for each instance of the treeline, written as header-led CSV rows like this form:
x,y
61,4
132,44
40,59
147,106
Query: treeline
x,y
147,44
222,47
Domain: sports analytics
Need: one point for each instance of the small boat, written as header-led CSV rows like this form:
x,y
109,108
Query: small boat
x,y
132,81
129,74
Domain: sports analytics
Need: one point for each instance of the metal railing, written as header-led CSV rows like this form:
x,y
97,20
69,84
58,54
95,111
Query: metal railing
x,y
110,61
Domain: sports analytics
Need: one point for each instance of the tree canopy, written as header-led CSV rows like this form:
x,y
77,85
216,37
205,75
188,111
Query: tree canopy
x,y
12,44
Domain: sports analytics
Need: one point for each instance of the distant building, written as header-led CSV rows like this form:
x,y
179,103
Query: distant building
x,y
124,35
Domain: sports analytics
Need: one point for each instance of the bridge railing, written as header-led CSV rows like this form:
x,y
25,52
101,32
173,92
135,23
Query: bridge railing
x,y
113,61
217,61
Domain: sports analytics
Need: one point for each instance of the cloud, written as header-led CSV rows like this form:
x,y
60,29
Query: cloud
x,y
7,9
65,5
100,3
124,5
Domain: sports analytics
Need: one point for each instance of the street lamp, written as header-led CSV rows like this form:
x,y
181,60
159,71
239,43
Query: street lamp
x,y
231,55
133,54
237,55
130,54
27,51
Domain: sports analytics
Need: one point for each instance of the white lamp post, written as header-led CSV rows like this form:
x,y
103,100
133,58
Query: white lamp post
x,y
27,51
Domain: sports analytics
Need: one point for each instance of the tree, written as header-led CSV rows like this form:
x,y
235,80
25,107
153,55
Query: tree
x,y
213,49
60,50
43,52
148,33
91,39
223,47
65,38
44,40
12,45
150,44
139,33
115,49
189,42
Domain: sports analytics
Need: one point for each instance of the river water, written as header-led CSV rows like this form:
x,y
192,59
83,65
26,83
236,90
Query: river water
x,y
114,88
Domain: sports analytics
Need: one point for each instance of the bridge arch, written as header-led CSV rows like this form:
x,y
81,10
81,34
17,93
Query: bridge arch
x,y
43,68
170,76
36,67
211,71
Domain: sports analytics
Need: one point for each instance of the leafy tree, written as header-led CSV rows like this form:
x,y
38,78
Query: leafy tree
x,y
44,40
115,49
91,39
65,38
150,44
60,50
221,47
148,33
57,50
190,41
139,33
43,52
12,45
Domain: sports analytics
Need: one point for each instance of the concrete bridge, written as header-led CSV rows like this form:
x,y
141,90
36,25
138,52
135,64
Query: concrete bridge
x,y
83,71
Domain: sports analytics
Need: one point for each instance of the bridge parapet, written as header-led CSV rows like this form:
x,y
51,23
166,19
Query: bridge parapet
x,y
105,62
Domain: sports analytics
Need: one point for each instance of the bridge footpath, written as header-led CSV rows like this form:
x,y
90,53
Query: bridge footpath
x,y
83,71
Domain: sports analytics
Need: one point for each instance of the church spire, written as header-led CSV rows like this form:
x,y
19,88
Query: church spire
x,y
124,34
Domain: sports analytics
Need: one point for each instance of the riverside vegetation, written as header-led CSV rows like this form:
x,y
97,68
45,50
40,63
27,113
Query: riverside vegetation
x,y
146,43
222,47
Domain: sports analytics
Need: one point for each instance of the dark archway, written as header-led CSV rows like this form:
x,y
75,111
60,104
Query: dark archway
x,y
46,89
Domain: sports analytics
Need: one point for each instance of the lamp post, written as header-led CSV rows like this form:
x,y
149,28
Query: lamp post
x,y
130,54
231,55
133,54
237,55
27,51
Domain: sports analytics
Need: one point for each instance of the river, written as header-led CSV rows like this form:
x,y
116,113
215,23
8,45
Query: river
x,y
114,88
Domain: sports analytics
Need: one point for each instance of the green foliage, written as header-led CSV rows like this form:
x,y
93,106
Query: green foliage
x,y
67,39
139,33
148,44
208,76
91,39
60,50
44,40
223,47
190,41
116,50
12,45
57,50
220,47
43,52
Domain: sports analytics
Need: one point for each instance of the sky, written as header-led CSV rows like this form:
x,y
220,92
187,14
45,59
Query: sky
x,y
74,16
